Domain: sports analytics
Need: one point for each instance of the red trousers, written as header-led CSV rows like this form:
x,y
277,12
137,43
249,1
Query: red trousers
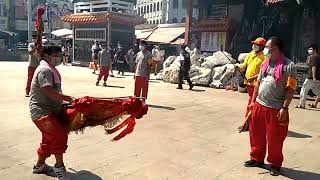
x,y
29,79
104,72
54,136
250,90
141,85
266,131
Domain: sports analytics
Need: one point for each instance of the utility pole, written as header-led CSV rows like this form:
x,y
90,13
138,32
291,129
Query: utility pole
x,y
29,10
188,21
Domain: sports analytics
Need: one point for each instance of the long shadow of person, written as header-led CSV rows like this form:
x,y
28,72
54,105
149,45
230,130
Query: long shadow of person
x,y
83,175
295,174
299,174
161,107
298,135
113,86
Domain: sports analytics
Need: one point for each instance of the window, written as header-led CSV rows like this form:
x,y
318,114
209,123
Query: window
x,y
175,4
147,9
139,11
158,6
154,21
161,7
195,3
3,9
85,34
3,25
174,20
151,8
157,21
144,10
154,7
184,4
183,20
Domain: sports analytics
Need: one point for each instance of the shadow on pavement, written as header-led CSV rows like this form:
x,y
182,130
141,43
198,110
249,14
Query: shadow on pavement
x,y
299,174
161,107
119,77
312,109
84,175
298,135
198,90
294,174
194,90
154,81
121,87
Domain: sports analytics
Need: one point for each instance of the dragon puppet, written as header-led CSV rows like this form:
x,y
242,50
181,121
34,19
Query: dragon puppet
x,y
111,113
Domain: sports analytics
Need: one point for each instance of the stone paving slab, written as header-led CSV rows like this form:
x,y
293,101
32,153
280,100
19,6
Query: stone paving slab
x,y
187,135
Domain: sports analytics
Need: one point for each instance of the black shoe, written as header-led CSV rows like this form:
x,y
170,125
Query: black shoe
x,y
97,83
253,163
111,75
179,87
105,84
190,88
274,171
27,95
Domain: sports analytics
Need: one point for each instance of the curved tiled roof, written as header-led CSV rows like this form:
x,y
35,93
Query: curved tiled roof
x,y
96,18
273,1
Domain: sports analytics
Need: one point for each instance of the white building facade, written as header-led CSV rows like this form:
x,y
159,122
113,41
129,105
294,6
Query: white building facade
x,y
165,11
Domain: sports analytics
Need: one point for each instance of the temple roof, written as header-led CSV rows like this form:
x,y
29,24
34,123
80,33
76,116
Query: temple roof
x,y
96,18
273,1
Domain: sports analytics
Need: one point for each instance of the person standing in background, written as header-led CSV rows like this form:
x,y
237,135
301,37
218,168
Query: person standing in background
x,y
313,80
131,59
33,64
104,64
95,49
142,74
156,56
184,68
112,53
65,55
251,67
121,60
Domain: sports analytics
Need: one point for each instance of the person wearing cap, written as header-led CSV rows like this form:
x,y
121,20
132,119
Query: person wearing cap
x,y
251,67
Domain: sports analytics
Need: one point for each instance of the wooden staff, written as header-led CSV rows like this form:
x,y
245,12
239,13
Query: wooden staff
x,y
241,73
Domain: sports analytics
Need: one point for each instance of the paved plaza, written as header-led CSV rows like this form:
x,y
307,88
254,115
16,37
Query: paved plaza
x,y
186,135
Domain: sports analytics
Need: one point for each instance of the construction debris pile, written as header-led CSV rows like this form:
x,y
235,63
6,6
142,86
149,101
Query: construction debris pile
x,y
210,70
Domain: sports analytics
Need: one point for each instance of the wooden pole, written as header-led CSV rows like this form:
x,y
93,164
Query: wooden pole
x,y
188,21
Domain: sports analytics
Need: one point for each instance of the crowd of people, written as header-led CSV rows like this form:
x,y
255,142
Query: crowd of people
x,y
270,78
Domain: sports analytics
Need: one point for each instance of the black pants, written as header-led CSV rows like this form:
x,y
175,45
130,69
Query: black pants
x,y
121,67
183,74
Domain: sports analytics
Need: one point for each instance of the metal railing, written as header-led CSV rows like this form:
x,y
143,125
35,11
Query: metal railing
x,y
104,6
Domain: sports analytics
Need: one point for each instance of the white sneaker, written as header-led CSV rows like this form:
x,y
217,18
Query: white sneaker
x,y
43,169
61,173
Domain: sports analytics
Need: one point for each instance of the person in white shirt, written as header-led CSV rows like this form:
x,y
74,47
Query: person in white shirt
x,y
156,56
33,64
95,49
